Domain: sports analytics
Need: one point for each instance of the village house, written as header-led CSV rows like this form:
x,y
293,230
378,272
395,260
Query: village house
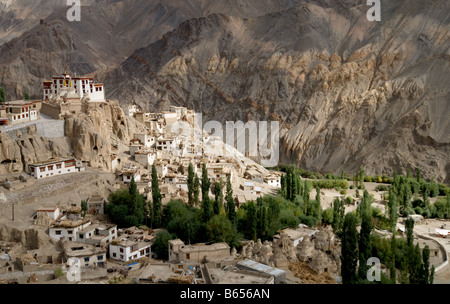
x,y
273,180
219,171
134,147
55,167
96,205
85,255
198,253
67,229
97,234
254,175
162,168
20,111
165,144
131,110
127,175
145,157
128,250
145,139
52,212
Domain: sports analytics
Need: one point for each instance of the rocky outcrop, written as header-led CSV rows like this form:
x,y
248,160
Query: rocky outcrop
x,y
347,92
93,134
30,238
90,137
16,155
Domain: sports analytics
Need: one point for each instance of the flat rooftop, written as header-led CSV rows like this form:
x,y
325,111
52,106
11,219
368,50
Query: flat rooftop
x,y
255,266
236,277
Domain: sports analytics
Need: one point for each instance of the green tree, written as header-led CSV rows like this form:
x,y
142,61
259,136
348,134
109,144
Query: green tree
x,y
27,96
196,190
2,95
190,183
220,229
157,199
425,270
252,221
409,227
364,247
84,206
393,271
161,244
393,210
349,251
338,215
231,207
218,197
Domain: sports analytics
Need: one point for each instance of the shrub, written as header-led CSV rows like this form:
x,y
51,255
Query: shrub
x,y
343,192
382,188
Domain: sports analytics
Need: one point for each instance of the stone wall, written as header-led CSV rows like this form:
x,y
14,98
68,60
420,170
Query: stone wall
x,y
51,110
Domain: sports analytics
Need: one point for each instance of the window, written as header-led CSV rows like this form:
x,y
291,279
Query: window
x,y
86,259
121,249
100,257
114,254
70,231
81,236
188,256
58,232
50,168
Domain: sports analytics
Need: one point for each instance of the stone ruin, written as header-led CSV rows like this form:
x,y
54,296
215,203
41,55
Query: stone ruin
x,y
321,251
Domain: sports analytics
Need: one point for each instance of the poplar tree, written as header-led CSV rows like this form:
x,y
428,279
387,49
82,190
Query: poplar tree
x,y
156,196
364,247
190,183
349,251
231,207
218,197
196,190
252,221
206,203
2,95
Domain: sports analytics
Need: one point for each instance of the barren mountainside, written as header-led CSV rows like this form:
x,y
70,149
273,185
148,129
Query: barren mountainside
x,y
37,41
347,92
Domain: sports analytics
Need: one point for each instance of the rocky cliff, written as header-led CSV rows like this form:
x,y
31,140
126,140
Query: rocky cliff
x,y
347,92
89,137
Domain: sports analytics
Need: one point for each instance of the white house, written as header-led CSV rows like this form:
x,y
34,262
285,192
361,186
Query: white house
x,y
145,158
165,144
67,229
162,168
273,181
129,250
131,110
55,167
255,175
84,255
20,111
145,139
51,212
97,234
134,148
127,175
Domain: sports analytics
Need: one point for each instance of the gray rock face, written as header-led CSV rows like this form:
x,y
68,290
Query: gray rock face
x,y
348,92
